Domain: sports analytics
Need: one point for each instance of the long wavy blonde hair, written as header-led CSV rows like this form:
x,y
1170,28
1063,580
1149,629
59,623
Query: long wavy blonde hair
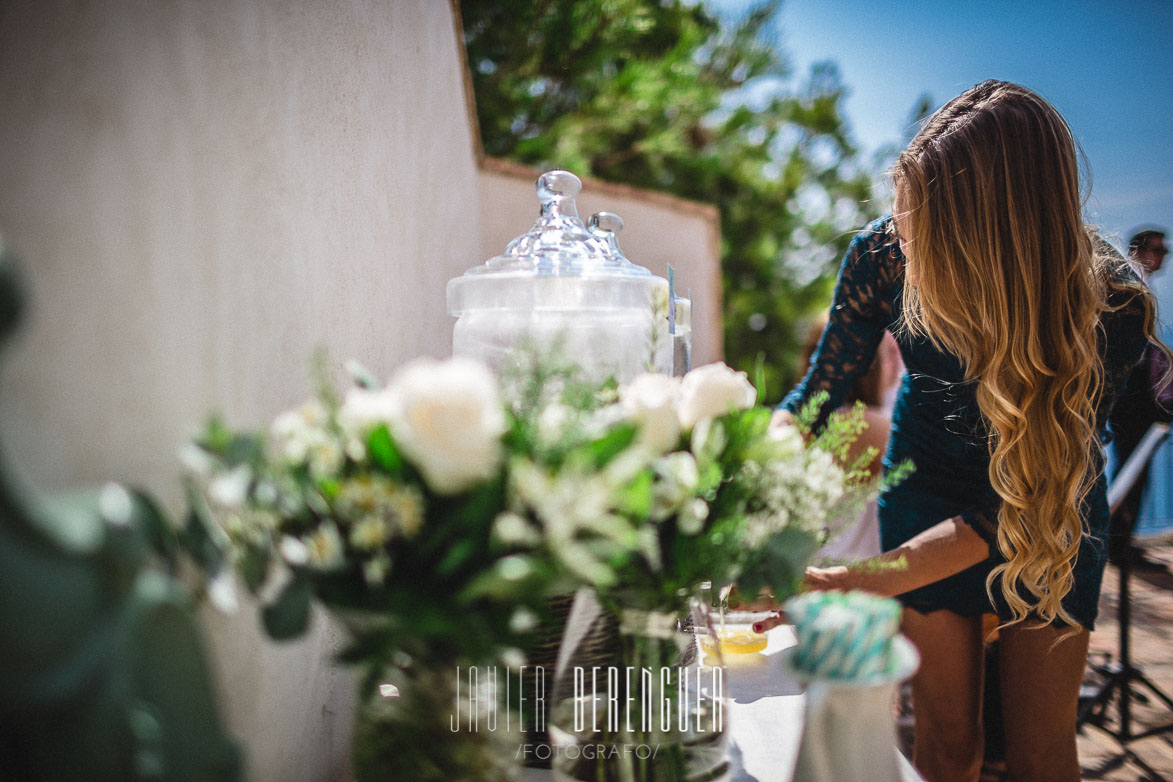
x,y
1005,275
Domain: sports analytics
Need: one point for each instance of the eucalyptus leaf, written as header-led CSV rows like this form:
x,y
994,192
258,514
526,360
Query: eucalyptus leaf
x,y
156,528
199,535
254,566
610,445
288,615
785,558
457,556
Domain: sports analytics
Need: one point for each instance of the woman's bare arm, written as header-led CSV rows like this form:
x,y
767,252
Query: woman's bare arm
x,y
941,551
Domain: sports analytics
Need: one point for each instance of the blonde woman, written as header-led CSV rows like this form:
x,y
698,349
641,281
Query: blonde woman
x,y
1018,330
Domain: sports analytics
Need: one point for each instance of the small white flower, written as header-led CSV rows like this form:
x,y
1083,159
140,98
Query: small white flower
x,y
266,493
326,457
230,490
713,390
222,592
196,460
407,510
523,620
325,548
692,517
512,657
398,508
375,570
513,530
370,533
356,449
364,409
294,551
651,401
552,422
311,415
449,421
824,476
300,435
116,505
602,419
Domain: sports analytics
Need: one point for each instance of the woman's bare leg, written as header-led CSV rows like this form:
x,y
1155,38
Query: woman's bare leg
x,y
1041,675
947,695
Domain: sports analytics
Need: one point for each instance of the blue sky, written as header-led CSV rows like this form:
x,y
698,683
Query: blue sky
x,y
1107,65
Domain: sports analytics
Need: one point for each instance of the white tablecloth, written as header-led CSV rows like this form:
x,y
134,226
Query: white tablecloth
x,y
764,719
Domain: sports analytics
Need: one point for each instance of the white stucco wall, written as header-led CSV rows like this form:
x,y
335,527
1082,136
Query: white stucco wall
x,y
200,193
658,230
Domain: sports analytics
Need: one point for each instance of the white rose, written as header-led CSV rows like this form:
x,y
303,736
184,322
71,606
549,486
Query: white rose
x,y
713,390
650,400
324,549
448,421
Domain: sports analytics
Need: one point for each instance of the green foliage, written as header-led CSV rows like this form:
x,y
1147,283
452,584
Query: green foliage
x,y
102,675
289,614
602,486
661,95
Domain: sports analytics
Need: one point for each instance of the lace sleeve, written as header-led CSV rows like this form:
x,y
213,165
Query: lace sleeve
x,y
869,278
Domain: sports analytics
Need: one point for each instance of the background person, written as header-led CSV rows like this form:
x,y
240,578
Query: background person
x,y
1147,398
876,390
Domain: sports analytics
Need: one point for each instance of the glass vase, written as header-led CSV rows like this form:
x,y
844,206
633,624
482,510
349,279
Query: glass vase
x,y
653,708
436,724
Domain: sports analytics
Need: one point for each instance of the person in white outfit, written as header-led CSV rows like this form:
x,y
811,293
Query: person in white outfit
x,y
877,390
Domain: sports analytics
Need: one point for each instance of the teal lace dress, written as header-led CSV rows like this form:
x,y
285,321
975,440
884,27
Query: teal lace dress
x,y
937,425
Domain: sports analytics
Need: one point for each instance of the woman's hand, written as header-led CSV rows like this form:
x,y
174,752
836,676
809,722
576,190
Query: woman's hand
x,y
822,578
937,553
765,601
815,578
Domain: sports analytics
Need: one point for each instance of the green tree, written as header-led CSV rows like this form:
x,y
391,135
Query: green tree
x,y
662,95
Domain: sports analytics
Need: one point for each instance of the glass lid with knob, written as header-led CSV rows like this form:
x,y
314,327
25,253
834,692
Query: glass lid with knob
x,y
565,286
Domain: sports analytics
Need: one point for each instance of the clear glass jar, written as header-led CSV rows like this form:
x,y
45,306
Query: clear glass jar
x,y
567,288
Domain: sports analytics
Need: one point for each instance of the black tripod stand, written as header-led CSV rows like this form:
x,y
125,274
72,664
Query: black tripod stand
x,y
1121,676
